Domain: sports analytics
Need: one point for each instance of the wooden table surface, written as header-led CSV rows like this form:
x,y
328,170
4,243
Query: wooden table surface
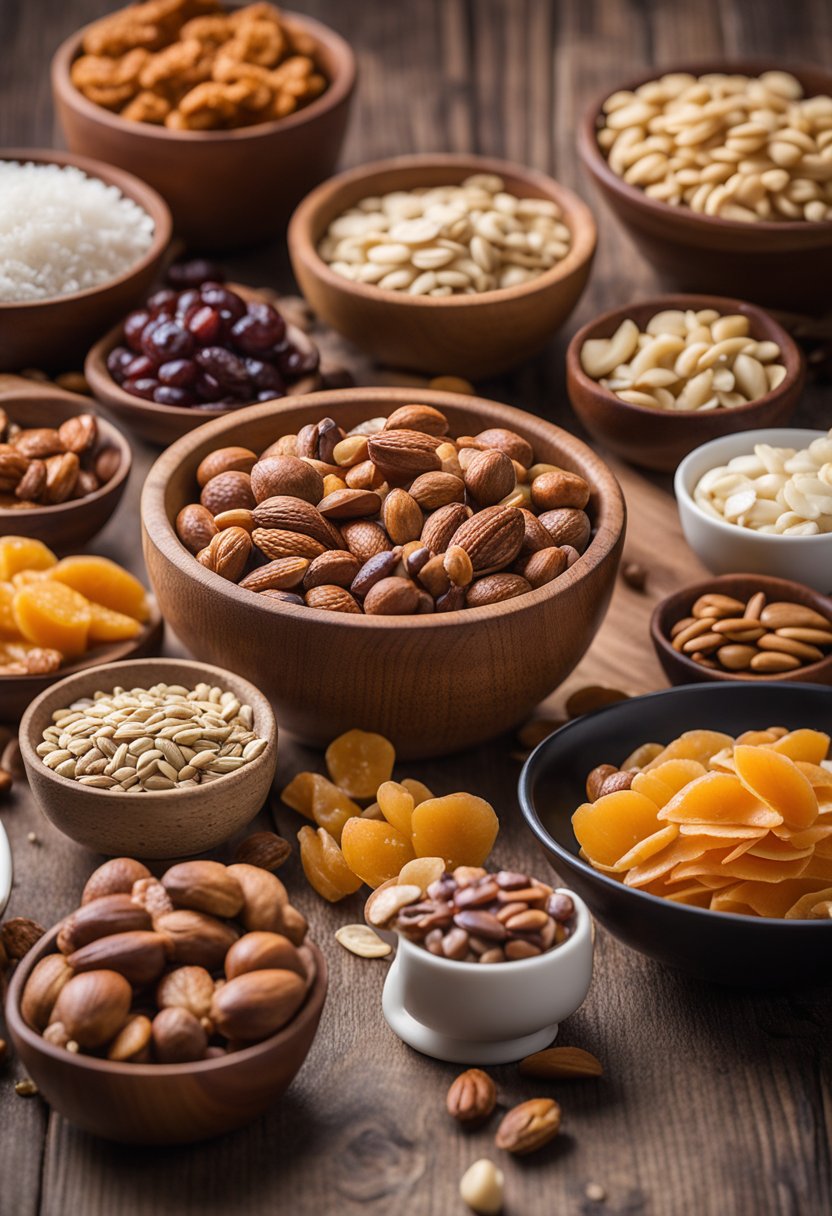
x,y
714,1102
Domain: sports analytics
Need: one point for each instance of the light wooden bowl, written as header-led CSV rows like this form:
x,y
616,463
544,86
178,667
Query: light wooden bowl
x,y
467,335
679,669
53,333
226,189
659,439
785,264
66,526
432,684
158,823
164,1104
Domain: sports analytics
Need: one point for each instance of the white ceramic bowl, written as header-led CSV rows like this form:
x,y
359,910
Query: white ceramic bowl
x,y
727,548
472,1013
5,869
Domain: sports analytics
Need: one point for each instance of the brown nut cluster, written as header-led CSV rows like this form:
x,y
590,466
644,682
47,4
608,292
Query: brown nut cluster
x,y
204,961
394,518
191,66
43,466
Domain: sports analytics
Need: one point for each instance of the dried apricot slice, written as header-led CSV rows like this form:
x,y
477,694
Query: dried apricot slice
x,y
8,625
778,782
396,803
810,746
693,745
374,850
331,807
660,864
324,865
802,908
460,828
661,783
359,762
645,849
300,792
422,871
109,626
52,615
720,798
607,828
23,553
104,582
417,789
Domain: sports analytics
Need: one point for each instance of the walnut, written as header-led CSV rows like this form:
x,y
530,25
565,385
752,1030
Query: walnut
x,y
212,31
213,105
177,68
259,42
110,83
147,106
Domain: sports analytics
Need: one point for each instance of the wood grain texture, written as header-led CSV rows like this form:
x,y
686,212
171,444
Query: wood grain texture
x,y
714,1102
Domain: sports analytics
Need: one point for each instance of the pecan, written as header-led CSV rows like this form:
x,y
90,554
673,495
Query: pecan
x,y
19,934
472,1097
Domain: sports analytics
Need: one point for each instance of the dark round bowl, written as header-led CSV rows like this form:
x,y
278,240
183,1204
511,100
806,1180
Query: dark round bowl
x,y
720,947
786,264
659,439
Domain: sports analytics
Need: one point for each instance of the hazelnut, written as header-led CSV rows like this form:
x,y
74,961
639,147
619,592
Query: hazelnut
x,y
177,1036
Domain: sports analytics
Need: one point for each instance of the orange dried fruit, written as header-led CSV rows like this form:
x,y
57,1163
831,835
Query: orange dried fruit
x,y
660,784
693,745
300,792
104,582
647,848
8,625
422,871
396,803
460,828
54,616
778,782
810,746
324,865
109,626
359,762
23,553
609,827
420,792
374,850
331,807
719,798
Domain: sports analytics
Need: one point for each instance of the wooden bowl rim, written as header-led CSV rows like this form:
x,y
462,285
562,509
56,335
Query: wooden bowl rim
x,y
340,88
106,428
611,510
111,672
759,317
764,435
309,1010
781,588
550,844
598,165
305,229
138,191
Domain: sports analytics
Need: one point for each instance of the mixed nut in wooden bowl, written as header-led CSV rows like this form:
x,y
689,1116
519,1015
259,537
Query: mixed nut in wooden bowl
x,y
417,678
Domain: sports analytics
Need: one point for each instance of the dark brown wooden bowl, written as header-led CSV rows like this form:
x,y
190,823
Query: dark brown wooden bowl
x,y
659,439
465,335
226,189
784,264
53,333
432,684
679,669
67,526
164,1104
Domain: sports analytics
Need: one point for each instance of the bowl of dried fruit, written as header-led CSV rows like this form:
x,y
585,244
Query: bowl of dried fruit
x,y
232,113
152,757
165,1011
364,567
697,832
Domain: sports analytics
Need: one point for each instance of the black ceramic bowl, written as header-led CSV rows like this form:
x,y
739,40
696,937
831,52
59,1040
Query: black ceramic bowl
x,y
717,946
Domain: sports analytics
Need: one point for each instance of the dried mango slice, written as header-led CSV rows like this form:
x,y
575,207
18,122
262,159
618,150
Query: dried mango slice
x,y
758,738
724,760
776,849
109,626
359,762
743,847
642,756
52,615
8,625
374,850
810,746
460,828
775,899
662,783
104,582
324,865
723,832
778,782
419,791
818,866
693,745
300,792
645,849
820,778
729,899
613,824
681,850
719,798
763,869
396,802
698,896
814,835
23,553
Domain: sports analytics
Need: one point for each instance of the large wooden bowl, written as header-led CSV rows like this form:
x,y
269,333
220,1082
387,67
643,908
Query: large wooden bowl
x,y
432,684
67,526
164,1104
467,335
659,439
226,189
54,333
786,264
155,823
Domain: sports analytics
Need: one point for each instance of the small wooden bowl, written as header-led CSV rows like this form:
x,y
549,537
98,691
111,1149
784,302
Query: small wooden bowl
x,y
432,684
157,823
659,439
52,333
17,692
67,526
162,424
785,264
679,669
164,1104
226,189
467,335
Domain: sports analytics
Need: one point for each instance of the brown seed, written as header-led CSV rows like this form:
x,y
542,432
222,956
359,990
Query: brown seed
x,y
615,782
489,477
229,552
816,637
280,574
33,482
18,935
392,597
736,658
800,650
38,443
559,489
364,539
455,944
402,517
705,643
495,588
529,1126
592,696
61,477
541,567
277,542
482,924
264,849
289,514
350,504
442,524
698,628
434,490
373,570
402,454
567,526
517,948
224,460
331,599
561,1064
510,442
771,662
634,575
195,527
458,567
286,475
422,418
107,464
783,614
755,606
471,1097
717,605
338,567
596,779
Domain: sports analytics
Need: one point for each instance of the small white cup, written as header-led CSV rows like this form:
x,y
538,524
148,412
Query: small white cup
x,y
6,870
487,1013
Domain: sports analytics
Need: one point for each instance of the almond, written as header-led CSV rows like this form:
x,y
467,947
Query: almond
x,y
458,566
434,490
495,588
261,951
336,567
392,597
132,1042
42,989
364,476
195,527
196,938
489,476
350,451
529,1126
264,898
286,475
567,526
93,1007
291,514
38,442
541,567
402,516
432,575
177,1036
139,956
204,886
33,482
510,442
330,598
442,525
229,552
264,849
107,464
535,536
402,455
330,435
350,504
114,877
594,782
257,1004
491,538
422,418
559,489
364,539
277,542
278,575
238,517
227,492
225,460
116,913
78,434
13,465
61,477
377,567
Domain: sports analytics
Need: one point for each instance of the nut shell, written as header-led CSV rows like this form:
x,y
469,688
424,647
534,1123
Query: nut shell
x,y
100,918
43,987
204,886
139,956
254,1005
177,1036
196,938
260,951
93,1007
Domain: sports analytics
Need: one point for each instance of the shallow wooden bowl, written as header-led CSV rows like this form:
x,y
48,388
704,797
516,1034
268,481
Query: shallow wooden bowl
x,y
226,189
164,1103
17,692
54,333
156,823
432,684
476,335
679,669
721,947
659,439
785,264
67,526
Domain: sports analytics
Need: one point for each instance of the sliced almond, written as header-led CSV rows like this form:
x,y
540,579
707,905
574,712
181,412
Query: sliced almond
x,y
362,940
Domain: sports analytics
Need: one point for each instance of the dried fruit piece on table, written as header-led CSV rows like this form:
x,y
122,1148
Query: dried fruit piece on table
x,y
52,615
359,762
527,1127
23,553
104,582
460,828
324,865
561,1063
331,807
397,805
363,941
471,1097
374,850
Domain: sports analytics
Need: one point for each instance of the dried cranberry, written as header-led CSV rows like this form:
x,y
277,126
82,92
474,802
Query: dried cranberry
x,y
260,328
225,366
133,328
301,358
170,340
117,361
162,302
217,296
208,389
144,387
145,346
193,273
178,372
140,366
205,324
165,394
264,375
187,300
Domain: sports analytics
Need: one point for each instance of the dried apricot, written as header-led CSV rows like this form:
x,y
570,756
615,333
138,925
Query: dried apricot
x,y
396,803
720,798
692,745
109,626
52,615
422,871
661,783
810,746
324,865
23,553
778,782
104,582
609,827
359,762
331,807
300,792
8,625
460,828
417,789
374,850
